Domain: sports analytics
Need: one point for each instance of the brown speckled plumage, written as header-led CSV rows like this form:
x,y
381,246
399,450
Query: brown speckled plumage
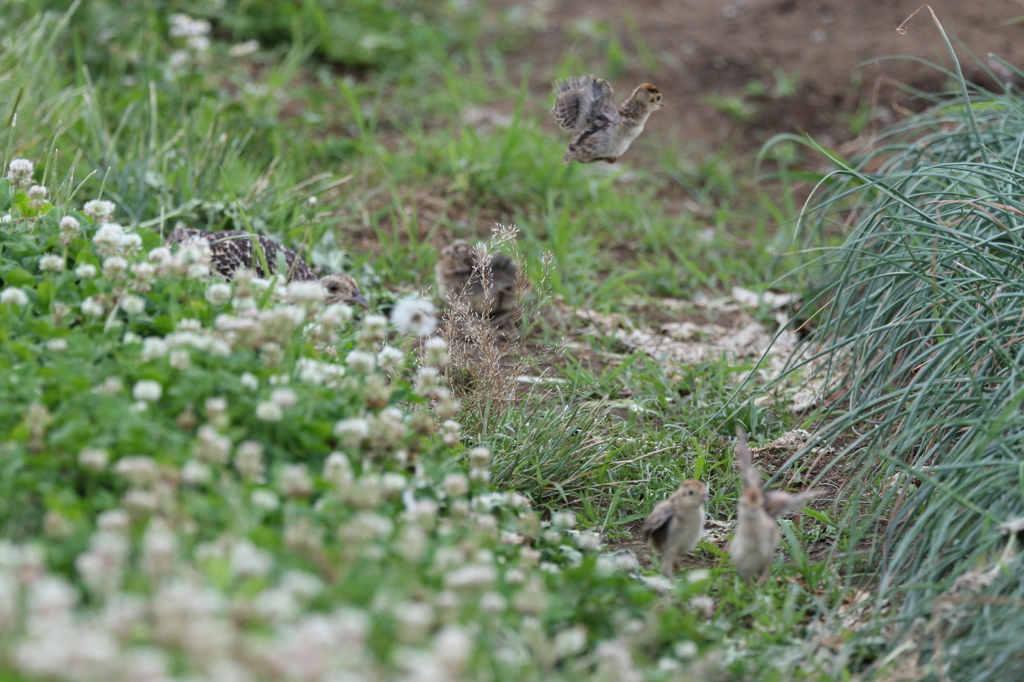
x,y
233,249
459,275
600,130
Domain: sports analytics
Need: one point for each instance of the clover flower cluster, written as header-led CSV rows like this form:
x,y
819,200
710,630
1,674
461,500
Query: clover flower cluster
x,y
258,588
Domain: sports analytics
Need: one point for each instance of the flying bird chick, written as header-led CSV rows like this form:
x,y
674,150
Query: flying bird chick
x,y
675,525
757,529
460,274
233,249
600,130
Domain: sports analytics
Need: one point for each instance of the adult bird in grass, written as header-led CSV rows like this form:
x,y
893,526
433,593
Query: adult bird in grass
x,y
233,249
600,130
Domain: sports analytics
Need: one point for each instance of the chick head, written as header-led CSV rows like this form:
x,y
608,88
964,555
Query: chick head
x,y
692,493
650,96
342,289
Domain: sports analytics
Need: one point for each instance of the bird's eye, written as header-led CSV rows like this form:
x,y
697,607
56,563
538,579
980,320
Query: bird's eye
x,y
333,288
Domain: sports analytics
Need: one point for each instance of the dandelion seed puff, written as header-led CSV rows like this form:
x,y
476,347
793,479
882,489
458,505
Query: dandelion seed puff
x,y
414,316
14,296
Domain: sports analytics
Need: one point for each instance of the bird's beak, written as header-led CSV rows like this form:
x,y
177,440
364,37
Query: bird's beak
x,y
359,298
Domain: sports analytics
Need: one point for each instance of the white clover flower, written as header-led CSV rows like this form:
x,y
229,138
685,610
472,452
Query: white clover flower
x,y
93,307
69,226
337,469
435,352
153,347
335,315
285,398
114,267
131,244
194,472
414,316
268,411
219,293
139,470
189,324
374,327
243,49
248,560
19,172
179,359
390,358
361,361
108,238
211,446
249,461
147,390
130,338
93,458
472,577
159,548
51,263
588,542
451,433
565,520
479,458
427,381
294,481
133,305
14,296
570,642
159,254
306,293
456,485
85,271
352,432
100,211
249,381
57,345
5,218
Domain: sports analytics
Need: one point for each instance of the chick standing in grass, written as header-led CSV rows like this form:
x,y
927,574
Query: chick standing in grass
x,y
460,275
757,529
600,130
676,525
233,249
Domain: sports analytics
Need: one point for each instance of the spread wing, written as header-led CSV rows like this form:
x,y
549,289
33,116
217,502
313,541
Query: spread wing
x,y
656,524
749,476
580,100
778,503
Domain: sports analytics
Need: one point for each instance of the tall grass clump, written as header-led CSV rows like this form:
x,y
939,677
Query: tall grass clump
x,y
920,323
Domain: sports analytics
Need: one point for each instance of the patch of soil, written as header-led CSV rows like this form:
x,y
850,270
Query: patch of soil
x,y
721,47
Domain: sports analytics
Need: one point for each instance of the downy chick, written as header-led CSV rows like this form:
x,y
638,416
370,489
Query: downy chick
x,y
675,525
600,131
459,275
757,529
233,249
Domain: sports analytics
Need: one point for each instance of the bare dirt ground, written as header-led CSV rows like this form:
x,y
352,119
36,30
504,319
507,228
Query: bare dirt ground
x,y
718,47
